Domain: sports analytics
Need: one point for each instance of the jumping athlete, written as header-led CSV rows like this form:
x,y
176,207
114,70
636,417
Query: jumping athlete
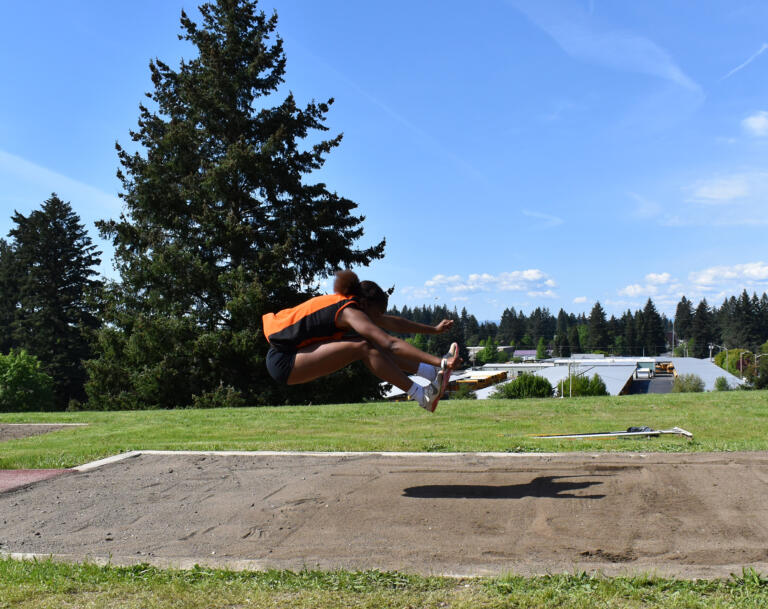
x,y
326,333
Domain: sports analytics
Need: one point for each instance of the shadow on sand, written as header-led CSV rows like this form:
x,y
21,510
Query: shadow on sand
x,y
543,486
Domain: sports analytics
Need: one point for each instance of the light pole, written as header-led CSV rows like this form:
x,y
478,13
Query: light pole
x,y
712,346
757,357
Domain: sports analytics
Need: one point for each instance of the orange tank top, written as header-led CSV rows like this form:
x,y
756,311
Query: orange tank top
x,y
310,322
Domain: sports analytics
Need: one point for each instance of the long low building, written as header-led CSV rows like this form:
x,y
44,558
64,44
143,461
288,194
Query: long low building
x,y
618,373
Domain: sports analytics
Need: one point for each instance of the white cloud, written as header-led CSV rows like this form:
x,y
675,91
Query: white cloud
x,y
580,299
632,291
713,283
658,278
743,65
439,280
549,221
527,280
749,273
756,124
734,199
720,190
415,293
724,200
544,294
584,38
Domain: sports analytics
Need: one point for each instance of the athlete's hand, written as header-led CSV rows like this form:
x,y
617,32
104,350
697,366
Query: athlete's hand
x,y
444,326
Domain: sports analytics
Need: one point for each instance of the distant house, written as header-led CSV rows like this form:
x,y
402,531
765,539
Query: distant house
x,y
525,354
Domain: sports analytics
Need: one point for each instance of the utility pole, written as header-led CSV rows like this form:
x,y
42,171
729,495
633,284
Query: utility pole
x,y
673,336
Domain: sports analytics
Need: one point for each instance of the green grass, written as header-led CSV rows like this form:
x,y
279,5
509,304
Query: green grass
x,y
48,584
720,421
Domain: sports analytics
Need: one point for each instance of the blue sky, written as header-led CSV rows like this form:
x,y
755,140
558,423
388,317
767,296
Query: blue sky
x,y
513,152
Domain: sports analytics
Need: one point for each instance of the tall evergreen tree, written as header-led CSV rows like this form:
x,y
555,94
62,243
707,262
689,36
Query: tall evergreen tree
x,y
640,333
683,319
507,327
221,225
725,319
630,333
702,329
653,338
763,318
471,328
598,329
10,275
561,335
56,316
574,342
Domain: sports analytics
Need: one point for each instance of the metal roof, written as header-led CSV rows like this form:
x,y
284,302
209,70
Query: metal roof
x,y
614,375
708,371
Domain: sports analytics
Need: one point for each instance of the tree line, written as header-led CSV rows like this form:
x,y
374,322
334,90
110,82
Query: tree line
x,y
739,322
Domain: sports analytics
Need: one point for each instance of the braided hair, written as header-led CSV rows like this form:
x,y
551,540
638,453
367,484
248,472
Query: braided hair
x,y
369,293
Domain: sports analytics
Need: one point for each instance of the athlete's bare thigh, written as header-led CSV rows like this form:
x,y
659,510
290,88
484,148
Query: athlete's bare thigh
x,y
321,359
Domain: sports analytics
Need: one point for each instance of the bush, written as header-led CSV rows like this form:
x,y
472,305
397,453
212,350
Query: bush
x,y
580,385
24,387
463,393
736,361
221,397
721,384
524,386
688,383
489,353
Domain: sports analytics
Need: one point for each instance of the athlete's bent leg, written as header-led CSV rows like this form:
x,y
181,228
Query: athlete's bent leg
x,y
321,359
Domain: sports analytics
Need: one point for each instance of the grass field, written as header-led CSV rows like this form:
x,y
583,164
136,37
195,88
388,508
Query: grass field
x,y
720,422
50,585
727,421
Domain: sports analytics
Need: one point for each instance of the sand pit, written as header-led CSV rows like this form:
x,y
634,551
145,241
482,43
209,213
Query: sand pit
x,y
686,515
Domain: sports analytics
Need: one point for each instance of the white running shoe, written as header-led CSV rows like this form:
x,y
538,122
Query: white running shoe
x,y
430,397
450,355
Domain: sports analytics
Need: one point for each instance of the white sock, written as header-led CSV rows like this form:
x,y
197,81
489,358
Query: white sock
x,y
426,371
416,392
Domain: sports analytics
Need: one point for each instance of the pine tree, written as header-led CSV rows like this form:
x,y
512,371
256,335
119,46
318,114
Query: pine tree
x,y
598,329
725,318
574,342
56,315
702,330
683,319
541,349
653,338
507,327
561,335
221,225
9,295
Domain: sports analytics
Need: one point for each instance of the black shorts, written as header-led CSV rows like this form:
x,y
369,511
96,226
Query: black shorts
x,y
280,364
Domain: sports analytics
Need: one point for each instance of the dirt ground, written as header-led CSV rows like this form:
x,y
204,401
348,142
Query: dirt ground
x,y
686,515
15,431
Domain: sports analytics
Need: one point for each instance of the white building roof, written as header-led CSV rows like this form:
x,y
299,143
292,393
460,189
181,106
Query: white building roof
x,y
708,371
615,375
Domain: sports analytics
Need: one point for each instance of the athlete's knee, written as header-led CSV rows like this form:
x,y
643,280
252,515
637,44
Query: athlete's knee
x,y
366,349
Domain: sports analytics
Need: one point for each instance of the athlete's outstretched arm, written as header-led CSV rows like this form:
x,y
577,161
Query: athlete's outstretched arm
x,y
393,323
357,320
